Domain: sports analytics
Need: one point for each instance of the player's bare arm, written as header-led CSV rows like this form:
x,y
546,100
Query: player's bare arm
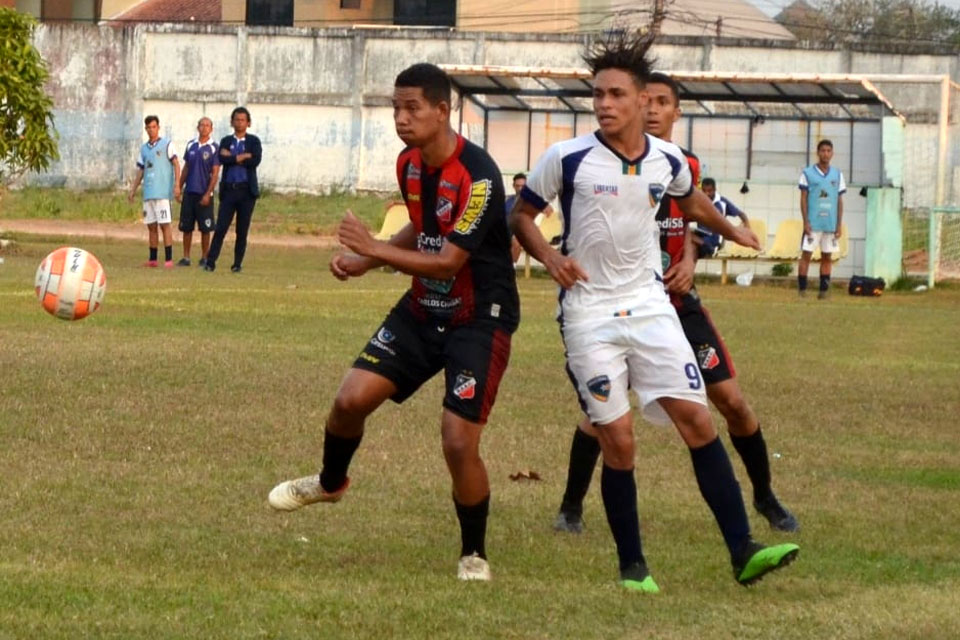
x,y
564,269
345,264
136,184
177,191
803,212
441,266
679,277
697,206
208,193
838,231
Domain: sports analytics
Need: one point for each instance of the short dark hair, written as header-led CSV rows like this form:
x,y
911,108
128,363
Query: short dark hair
x,y
622,50
150,119
433,80
658,77
824,143
242,110
708,182
520,176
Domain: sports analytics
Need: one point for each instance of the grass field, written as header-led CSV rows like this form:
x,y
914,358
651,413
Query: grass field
x,y
138,447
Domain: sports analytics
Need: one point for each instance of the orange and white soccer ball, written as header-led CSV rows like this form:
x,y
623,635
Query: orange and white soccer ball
x,y
70,283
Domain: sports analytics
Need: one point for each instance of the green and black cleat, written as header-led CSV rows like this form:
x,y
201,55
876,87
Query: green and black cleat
x,y
756,561
637,577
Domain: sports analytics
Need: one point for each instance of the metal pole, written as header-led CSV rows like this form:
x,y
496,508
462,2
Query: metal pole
x,y
851,180
749,147
529,137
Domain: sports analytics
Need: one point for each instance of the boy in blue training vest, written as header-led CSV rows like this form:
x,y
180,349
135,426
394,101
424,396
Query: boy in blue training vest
x,y
159,170
821,205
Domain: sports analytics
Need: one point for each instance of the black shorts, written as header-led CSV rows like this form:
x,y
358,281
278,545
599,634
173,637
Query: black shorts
x,y
408,352
194,215
708,347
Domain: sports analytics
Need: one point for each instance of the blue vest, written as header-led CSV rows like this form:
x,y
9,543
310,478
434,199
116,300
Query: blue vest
x,y
157,171
823,194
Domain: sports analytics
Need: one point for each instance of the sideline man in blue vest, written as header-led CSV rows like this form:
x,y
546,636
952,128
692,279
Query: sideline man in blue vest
x,y
159,170
821,204
197,182
240,156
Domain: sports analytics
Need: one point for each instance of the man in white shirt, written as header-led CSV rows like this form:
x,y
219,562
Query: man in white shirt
x,y
619,329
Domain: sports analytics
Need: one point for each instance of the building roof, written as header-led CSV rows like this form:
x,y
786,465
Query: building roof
x,y
717,18
172,11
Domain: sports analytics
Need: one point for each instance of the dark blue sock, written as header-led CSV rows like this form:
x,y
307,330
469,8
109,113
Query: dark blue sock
x,y
337,454
753,452
619,490
802,282
824,283
473,527
168,252
153,254
719,488
583,459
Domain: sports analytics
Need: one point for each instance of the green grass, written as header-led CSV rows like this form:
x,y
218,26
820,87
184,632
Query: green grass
x,y
275,213
138,446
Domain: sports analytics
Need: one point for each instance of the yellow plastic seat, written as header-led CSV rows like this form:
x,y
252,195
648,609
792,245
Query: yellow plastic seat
x,y
550,226
396,218
786,244
733,250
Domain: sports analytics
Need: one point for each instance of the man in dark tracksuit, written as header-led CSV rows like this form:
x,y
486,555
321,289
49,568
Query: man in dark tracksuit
x,y
240,156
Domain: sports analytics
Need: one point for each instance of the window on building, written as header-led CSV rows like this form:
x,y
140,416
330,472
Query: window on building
x,y
349,4
275,13
435,13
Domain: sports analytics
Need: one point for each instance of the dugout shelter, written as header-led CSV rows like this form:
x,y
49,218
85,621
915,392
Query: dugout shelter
x,y
753,132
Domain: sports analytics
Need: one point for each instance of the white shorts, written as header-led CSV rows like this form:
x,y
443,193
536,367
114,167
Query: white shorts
x,y
645,351
826,240
157,211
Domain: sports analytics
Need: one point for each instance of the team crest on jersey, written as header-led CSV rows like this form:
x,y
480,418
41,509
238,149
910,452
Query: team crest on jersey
x,y
656,193
479,197
206,155
708,357
444,209
465,386
599,388
413,172
605,190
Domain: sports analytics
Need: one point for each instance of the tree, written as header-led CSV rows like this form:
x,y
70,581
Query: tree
x,y
879,22
28,140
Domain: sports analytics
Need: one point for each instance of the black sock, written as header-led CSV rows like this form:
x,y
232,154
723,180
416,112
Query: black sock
x,y
337,453
824,283
619,490
153,254
802,282
753,452
168,252
473,527
719,488
584,452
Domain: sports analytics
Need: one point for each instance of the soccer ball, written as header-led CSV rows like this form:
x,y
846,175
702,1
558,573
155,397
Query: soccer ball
x,y
70,283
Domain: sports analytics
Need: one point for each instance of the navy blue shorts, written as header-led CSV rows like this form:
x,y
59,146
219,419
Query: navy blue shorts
x,y
408,352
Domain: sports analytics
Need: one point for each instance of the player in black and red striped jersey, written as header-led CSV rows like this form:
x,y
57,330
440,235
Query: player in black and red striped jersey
x,y
679,255
458,316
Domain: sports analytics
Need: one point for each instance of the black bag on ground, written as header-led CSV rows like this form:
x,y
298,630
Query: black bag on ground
x,y
864,286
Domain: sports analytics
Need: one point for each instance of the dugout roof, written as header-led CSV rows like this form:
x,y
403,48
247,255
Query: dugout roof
x,y
795,96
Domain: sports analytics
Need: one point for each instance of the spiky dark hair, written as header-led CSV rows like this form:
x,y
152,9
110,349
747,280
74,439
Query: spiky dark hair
x,y
433,80
624,50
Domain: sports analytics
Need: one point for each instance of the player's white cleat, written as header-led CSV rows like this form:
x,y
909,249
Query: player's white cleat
x,y
293,494
473,567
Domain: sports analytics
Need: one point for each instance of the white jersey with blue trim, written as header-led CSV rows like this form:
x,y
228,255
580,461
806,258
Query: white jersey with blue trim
x,y
609,205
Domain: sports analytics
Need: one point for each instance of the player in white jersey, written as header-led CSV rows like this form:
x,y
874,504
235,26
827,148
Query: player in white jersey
x,y
619,328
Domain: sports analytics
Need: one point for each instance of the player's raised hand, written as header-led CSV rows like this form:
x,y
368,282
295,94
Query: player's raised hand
x,y
354,236
347,265
679,277
745,237
565,270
